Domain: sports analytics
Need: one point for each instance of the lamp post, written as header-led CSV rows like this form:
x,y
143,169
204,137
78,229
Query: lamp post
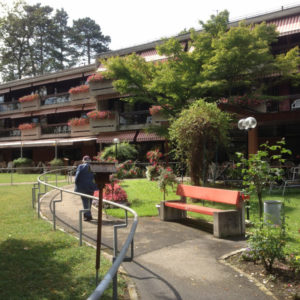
x,y
116,142
247,124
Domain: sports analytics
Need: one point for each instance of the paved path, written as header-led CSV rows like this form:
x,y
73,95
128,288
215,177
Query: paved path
x,y
172,260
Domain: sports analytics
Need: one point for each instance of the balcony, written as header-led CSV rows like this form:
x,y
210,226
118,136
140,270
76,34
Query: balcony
x,y
134,120
104,87
6,107
55,130
10,134
55,99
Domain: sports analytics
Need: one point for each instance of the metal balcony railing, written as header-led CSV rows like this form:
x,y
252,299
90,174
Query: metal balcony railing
x,y
55,129
9,106
135,117
55,99
9,133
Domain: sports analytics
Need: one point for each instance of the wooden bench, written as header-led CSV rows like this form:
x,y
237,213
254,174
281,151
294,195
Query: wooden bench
x,y
226,222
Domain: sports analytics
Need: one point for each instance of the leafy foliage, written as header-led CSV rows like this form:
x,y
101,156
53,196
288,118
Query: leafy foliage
x,y
217,62
125,151
268,243
200,127
257,170
56,162
35,40
22,161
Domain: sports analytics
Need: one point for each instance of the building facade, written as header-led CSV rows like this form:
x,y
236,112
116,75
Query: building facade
x,y
75,112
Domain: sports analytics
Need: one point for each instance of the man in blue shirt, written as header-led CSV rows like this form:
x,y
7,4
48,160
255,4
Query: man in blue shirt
x,y
84,183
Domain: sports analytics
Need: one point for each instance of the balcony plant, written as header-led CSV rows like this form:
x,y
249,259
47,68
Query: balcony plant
x,y
23,162
79,89
154,109
28,98
100,115
27,126
95,77
78,122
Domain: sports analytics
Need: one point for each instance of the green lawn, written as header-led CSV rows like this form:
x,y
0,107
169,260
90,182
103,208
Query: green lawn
x,y
17,178
144,194
37,262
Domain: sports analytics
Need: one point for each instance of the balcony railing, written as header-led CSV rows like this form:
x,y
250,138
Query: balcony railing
x,y
135,118
55,99
9,133
56,129
9,106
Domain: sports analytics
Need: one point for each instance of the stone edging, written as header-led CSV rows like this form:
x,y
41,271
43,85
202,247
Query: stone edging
x,y
223,258
131,287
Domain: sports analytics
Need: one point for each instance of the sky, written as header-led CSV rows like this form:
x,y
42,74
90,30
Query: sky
x,y
134,22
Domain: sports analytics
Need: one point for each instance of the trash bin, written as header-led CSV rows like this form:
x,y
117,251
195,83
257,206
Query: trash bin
x,y
272,212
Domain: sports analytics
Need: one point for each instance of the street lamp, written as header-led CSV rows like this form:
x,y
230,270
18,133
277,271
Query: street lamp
x,y
116,142
247,124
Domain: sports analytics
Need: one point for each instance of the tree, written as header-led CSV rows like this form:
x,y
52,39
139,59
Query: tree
x,y
63,53
217,62
198,128
258,173
88,38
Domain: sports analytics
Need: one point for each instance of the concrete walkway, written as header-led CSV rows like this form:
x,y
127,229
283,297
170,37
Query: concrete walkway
x,y
172,260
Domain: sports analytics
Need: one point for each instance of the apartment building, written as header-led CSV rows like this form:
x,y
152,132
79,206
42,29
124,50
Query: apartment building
x,y
75,112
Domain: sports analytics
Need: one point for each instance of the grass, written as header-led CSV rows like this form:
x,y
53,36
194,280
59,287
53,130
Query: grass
x,y
18,178
37,262
143,195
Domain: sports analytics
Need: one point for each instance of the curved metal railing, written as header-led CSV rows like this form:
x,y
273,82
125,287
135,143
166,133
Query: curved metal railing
x,y
118,258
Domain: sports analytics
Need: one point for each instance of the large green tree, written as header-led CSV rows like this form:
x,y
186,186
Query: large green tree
x,y
217,62
196,133
88,38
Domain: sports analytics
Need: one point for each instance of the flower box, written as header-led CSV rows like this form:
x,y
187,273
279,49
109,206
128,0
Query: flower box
x,y
103,125
81,95
101,88
81,130
30,131
30,105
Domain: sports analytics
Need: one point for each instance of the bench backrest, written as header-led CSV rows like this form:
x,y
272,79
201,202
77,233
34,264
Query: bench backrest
x,y
209,194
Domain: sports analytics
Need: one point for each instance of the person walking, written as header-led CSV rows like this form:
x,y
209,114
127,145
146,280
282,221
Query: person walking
x,y
84,183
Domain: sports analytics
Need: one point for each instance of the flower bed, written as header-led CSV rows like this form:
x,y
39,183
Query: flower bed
x,y
27,126
100,115
114,193
78,122
28,98
79,89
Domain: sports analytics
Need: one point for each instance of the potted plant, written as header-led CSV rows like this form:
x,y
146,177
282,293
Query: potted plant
x,y
80,92
78,122
29,98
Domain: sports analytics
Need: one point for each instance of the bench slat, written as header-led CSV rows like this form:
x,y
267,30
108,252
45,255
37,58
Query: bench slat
x,y
209,194
191,207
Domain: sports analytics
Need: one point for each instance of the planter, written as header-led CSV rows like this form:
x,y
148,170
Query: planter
x,y
82,98
101,88
158,118
103,125
31,105
82,130
28,134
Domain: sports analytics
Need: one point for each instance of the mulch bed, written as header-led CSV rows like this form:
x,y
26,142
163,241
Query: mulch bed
x,y
282,282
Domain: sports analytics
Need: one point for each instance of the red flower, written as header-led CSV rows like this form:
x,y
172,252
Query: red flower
x,y
154,109
28,98
95,77
78,122
101,115
27,126
79,89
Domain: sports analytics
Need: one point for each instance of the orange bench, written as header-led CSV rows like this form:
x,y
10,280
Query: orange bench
x,y
226,222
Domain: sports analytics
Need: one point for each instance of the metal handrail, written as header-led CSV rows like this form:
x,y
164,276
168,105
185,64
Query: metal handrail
x,y
112,272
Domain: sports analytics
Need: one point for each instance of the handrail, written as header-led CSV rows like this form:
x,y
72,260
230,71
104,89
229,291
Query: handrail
x,y
102,286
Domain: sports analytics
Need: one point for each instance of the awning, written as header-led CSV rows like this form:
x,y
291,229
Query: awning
x,y
287,25
148,137
45,142
123,136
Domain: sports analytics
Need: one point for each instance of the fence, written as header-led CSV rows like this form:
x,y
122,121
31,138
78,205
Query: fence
x,y
40,189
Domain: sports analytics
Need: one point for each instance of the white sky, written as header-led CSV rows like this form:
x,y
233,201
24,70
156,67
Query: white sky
x,y
133,22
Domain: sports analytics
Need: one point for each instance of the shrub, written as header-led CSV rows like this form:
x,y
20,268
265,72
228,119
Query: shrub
x,y
125,152
268,243
293,260
166,178
56,162
23,162
128,169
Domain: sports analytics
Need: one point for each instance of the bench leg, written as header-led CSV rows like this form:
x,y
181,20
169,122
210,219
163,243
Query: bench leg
x,y
228,223
171,214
